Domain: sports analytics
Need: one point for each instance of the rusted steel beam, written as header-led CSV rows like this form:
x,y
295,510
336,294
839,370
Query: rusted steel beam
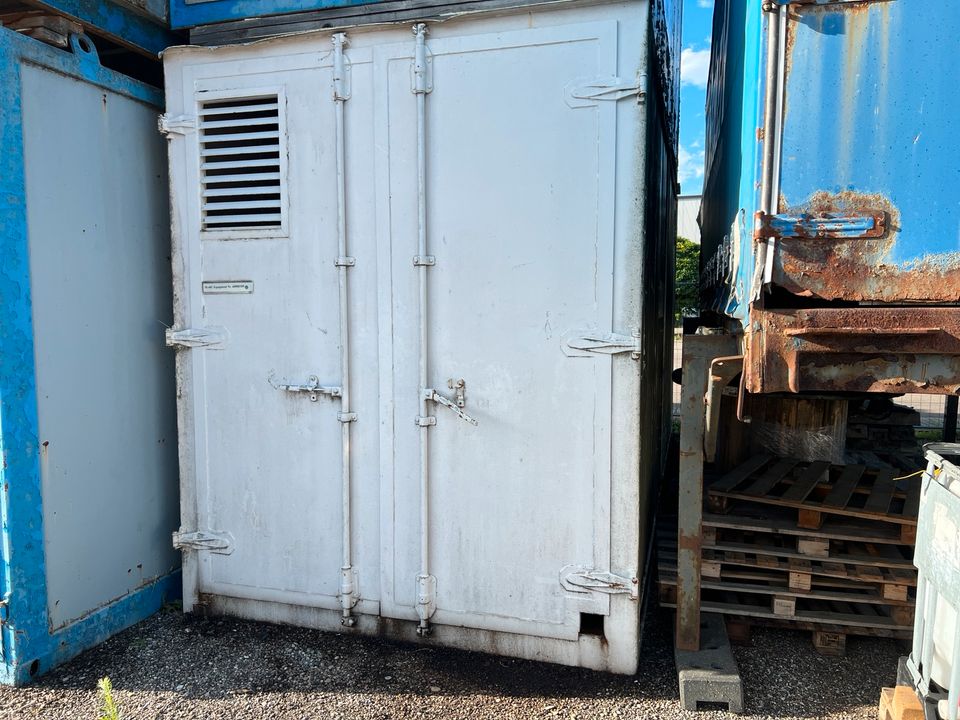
x,y
857,349
698,353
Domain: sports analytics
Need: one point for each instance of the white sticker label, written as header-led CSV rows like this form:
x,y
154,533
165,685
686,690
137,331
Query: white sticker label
x,y
228,287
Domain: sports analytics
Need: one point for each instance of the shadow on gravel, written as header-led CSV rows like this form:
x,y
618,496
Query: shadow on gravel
x,y
221,658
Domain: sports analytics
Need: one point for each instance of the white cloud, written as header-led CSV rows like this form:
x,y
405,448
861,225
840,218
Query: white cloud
x,y
694,67
690,166
705,4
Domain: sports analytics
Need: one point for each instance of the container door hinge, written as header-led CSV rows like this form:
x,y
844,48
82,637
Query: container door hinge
x,y
604,344
826,226
4,610
341,68
219,543
421,69
213,338
426,596
176,124
586,94
575,578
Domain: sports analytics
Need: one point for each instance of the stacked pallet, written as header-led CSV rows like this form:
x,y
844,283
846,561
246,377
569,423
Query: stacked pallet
x,y
812,545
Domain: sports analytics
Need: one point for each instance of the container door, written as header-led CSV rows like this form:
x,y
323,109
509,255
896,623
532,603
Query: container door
x,y
262,320
518,210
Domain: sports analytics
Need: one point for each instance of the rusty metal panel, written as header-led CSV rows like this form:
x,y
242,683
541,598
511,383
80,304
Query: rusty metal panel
x,y
869,129
889,350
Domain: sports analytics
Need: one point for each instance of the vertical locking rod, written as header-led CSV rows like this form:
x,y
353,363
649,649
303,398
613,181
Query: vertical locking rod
x,y
344,263
425,584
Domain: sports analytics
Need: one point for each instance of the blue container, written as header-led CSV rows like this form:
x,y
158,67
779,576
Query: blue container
x,y
194,13
87,418
829,203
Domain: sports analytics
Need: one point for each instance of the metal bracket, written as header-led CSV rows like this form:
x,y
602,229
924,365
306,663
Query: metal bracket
x,y
213,338
215,542
579,579
349,583
427,421
421,69
460,388
312,387
832,226
587,94
176,124
345,262
347,417
341,68
582,345
433,395
426,596
424,260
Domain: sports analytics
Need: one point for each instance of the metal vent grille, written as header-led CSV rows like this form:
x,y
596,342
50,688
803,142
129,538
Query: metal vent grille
x,y
240,164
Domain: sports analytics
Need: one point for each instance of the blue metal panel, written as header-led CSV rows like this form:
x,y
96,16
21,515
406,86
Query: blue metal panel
x,y
731,192
868,131
116,22
28,644
871,122
184,14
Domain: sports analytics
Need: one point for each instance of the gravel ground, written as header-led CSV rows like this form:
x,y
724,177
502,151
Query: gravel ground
x,y
176,666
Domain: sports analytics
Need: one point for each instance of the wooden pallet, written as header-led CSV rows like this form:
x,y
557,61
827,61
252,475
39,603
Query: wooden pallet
x,y
783,521
885,584
899,703
853,618
827,640
897,557
816,489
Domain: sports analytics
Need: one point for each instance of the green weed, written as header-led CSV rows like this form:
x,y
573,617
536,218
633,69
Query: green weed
x,y
109,709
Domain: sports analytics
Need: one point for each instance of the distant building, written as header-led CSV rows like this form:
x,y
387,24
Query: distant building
x,y
688,207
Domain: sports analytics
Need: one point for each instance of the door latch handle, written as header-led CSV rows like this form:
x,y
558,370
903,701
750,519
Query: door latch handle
x,y
312,387
433,395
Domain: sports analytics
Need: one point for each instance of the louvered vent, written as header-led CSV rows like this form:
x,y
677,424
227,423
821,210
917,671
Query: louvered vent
x,y
240,148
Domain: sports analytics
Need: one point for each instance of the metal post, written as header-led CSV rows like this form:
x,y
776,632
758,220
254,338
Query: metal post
x,y
698,353
340,94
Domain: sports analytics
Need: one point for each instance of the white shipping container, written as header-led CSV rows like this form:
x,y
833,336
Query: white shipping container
x,y
421,314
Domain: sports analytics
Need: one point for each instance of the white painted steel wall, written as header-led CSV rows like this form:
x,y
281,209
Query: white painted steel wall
x,y
99,242
533,212
688,208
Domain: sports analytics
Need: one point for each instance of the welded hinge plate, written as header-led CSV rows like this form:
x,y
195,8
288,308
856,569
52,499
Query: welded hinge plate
x,y
588,93
176,124
341,68
827,226
594,343
213,338
426,596
215,542
580,579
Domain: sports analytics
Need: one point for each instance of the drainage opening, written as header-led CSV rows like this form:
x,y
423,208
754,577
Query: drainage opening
x,y
34,666
591,624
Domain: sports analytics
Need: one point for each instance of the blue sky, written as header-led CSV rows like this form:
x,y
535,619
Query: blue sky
x,y
694,66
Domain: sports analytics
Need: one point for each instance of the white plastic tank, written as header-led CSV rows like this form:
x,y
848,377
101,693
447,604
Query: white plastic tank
x,y
934,661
